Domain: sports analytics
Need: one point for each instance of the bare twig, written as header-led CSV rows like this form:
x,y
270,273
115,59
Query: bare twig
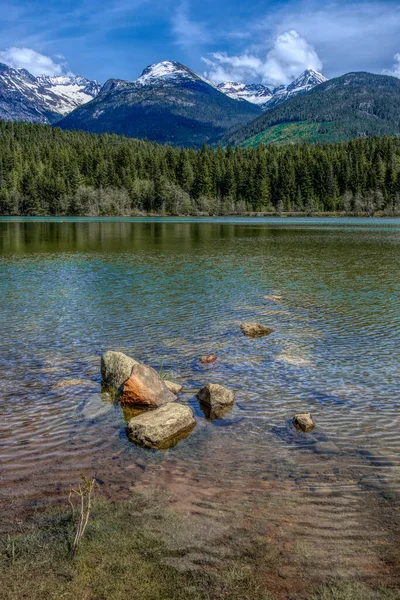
x,y
84,493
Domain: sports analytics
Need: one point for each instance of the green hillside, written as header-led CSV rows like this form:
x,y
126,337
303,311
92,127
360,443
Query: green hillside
x,y
295,133
356,105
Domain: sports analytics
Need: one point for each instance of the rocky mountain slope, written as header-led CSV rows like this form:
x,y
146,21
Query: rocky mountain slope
x,y
266,98
42,99
168,103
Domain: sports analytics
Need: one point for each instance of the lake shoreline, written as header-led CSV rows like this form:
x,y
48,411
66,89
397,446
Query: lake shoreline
x,y
246,215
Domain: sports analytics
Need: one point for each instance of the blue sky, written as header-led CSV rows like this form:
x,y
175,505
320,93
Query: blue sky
x,y
270,41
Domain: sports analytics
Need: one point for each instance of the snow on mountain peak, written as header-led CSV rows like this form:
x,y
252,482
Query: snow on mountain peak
x,y
256,93
308,79
48,94
260,94
164,71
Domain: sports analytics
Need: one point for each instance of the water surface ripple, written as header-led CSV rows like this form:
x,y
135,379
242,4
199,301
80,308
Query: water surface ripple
x,y
167,292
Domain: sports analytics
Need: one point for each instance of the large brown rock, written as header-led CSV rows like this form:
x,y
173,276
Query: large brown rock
x,y
145,388
116,367
215,395
256,329
163,427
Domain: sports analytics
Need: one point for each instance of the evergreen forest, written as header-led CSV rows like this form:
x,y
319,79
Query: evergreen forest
x,y
46,171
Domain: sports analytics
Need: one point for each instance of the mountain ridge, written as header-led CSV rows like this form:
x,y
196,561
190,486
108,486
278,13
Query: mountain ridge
x,y
268,98
168,103
42,99
357,104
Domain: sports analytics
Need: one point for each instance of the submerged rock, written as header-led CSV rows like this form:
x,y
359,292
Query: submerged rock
x,y
256,329
74,382
218,411
304,421
163,427
292,359
116,367
173,387
96,406
215,396
208,359
273,298
145,388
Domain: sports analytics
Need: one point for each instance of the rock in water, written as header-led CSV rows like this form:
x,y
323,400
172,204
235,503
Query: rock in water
x,y
304,421
215,395
173,387
116,367
273,298
207,359
96,406
163,427
217,412
145,388
256,329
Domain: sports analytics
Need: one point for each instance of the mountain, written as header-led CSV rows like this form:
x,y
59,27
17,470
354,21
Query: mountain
x,y
168,103
261,95
308,80
352,106
42,99
256,93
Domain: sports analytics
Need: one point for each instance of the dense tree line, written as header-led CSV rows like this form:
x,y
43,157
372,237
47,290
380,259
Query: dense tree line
x,y
46,171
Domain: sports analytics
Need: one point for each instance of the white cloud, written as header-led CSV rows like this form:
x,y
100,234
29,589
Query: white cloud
x,y
32,61
349,36
394,71
289,56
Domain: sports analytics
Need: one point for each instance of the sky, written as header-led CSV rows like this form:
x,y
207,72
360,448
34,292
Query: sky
x,y
267,41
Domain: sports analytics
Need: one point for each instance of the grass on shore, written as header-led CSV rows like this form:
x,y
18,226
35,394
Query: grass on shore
x,y
125,554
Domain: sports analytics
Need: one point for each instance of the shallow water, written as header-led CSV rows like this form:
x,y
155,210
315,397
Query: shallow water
x,y
167,291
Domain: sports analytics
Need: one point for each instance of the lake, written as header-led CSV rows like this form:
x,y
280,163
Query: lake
x,y
167,291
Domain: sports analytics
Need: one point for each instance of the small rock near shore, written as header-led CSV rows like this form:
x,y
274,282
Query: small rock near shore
x,y
145,388
173,387
256,329
304,421
208,359
215,395
116,367
163,427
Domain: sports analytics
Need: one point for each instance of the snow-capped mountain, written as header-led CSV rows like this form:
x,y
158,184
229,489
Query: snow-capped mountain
x,y
69,92
167,70
263,96
308,80
168,103
159,74
256,93
42,99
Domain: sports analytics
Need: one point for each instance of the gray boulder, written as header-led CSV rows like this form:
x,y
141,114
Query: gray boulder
x,y
215,396
163,427
116,367
173,387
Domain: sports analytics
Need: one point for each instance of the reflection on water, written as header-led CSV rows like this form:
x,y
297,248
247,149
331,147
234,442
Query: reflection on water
x,y
169,292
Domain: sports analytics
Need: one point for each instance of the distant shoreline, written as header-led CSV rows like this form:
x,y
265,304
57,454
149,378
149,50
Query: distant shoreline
x,y
251,215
